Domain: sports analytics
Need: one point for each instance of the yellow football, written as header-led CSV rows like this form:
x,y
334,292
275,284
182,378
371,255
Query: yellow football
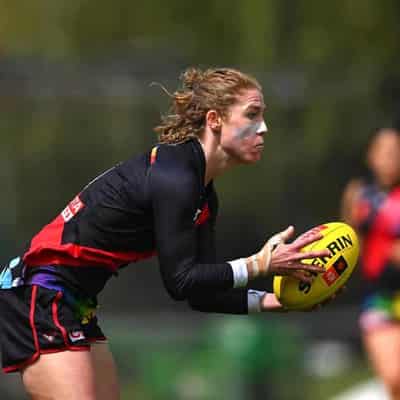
x,y
343,244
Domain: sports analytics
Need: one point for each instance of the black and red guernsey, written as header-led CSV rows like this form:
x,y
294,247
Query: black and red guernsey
x,y
155,203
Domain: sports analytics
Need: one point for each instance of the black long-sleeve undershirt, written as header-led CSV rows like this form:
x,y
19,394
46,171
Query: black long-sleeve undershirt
x,y
187,252
156,202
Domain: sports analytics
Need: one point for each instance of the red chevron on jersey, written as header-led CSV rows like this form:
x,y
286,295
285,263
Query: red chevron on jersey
x,y
47,249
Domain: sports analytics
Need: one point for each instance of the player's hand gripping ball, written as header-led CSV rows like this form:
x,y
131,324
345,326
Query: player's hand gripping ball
x,y
343,244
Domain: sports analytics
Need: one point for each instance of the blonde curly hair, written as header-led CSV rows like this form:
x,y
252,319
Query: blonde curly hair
x,y
201,91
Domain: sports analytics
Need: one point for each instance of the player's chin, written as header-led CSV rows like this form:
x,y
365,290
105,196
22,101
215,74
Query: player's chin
x,y
246,157
252,157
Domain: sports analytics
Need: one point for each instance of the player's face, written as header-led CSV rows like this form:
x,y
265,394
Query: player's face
x,y
243,129
384,158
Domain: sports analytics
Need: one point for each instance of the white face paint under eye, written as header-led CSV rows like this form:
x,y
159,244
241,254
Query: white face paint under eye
x,y
251,129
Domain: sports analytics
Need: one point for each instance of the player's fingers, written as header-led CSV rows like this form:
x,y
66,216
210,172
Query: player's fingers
x,y
313,308
313,254
340,290
302,276
305,240
331,298
308,233
292,267
307,267
287,233
327,301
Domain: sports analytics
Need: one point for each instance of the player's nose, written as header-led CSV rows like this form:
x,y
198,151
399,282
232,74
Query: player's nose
x,y
262,129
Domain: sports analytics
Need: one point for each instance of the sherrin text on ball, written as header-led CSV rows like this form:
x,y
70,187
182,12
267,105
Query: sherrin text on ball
x,y
341,240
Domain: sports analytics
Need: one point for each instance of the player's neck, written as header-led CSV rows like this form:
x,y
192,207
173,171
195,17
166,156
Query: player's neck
x,y
217,161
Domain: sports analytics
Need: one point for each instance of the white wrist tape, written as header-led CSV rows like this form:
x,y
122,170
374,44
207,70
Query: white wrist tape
x,y
266,254
275,241
240,273
254,265
254,298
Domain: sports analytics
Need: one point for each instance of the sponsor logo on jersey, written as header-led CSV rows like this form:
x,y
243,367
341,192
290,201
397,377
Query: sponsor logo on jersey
x,y
74,336
72,209
201,215
196,215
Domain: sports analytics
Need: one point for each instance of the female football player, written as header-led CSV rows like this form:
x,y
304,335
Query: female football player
x,y
372,206
162,202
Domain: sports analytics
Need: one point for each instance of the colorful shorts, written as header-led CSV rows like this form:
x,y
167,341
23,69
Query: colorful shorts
x,y
35,320
380,309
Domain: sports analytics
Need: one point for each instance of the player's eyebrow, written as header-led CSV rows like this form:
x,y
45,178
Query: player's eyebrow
x,y
255,107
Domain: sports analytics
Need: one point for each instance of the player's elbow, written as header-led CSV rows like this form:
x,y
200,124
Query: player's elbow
x,y
176,293
180,286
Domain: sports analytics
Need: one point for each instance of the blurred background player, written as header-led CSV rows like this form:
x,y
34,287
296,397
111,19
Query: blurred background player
x,y
372,206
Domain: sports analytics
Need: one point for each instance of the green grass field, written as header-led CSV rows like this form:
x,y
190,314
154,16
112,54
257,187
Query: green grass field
x,y
230,359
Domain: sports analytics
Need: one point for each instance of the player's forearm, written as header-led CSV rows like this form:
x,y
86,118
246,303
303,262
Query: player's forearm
x,y
234,301
187,279
394,255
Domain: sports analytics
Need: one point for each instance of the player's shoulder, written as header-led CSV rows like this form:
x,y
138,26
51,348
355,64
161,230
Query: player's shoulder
x,y
185,153
182,161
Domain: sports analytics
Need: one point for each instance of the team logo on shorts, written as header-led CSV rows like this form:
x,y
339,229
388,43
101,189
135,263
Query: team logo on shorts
x,y
50,337
74,336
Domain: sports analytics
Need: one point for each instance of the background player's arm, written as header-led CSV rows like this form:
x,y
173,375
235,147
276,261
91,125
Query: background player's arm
x,y
349,205
395,253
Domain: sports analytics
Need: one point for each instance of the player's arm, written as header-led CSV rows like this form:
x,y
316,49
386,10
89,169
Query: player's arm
x,y
394,253
206,232
232,301
175,201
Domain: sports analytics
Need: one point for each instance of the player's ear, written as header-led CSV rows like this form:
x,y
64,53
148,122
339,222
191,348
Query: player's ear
x,y
213,120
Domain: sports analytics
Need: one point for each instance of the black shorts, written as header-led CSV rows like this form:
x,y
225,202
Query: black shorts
x,y
35,320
